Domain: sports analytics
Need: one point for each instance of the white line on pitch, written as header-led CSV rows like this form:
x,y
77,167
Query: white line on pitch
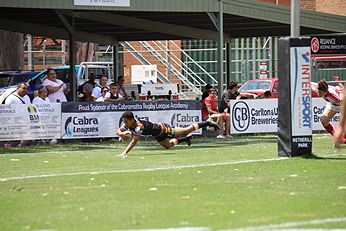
x,y
290,224
170,229
141,170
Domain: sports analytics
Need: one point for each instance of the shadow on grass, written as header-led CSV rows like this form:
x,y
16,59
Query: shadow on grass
x,y
51,148
148,143
314,157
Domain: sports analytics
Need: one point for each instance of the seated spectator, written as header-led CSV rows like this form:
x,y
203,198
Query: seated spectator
x,y
206,92
56,88
42,96
114,93
97,93
104,91
212,113
19,96
120,83
88,88
267,94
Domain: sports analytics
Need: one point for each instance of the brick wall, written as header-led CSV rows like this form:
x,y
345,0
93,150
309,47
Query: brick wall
x,y
308,4
337,7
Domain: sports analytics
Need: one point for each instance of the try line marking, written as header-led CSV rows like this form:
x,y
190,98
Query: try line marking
x,y
141,170
284,226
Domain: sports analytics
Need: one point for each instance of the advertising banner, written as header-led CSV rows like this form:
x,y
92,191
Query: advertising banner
x,y
30,122
119,3
86,120
300,91
328,45
261,116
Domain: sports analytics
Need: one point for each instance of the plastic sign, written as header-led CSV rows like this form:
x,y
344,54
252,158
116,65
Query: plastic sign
x,y
116,3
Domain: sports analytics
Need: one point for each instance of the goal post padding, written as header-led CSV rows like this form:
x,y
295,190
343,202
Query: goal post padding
x,y
294,103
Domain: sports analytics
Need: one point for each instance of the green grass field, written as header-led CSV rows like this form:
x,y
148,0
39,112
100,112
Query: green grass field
x,y
229,184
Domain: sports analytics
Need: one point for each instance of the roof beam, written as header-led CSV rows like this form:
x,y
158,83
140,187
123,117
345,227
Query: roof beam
x,y
64,20
149,25
53,32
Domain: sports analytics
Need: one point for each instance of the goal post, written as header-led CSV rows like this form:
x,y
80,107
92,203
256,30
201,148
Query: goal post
x,y
294,102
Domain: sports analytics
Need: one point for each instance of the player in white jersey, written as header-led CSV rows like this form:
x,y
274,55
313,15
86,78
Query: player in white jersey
x,y
333,97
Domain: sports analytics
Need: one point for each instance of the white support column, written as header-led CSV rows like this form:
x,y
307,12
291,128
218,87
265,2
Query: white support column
x,y
220,52
63,51
254,58
29,39
116,71
270,57
295,18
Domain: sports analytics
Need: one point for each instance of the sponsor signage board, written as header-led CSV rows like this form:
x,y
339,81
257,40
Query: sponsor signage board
x,y
261,116
85,120
30,122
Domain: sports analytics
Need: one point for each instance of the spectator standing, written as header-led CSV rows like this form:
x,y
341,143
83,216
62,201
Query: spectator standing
x,y
88,88
120,83
232,93
19,96
42,96
56,88
97,93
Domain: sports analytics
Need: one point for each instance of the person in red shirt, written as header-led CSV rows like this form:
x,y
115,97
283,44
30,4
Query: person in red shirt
x,y
211,112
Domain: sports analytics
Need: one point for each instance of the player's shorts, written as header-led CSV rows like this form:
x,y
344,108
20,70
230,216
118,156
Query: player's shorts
x,y
332,107
166,132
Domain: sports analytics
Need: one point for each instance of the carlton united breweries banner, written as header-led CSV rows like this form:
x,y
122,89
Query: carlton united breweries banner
x,y
261,115
86,120
30,122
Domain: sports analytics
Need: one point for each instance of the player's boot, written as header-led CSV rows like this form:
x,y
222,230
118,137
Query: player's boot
x,y
213,124
186,139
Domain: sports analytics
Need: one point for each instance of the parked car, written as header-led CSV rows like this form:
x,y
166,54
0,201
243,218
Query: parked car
x,y
259,86
36,79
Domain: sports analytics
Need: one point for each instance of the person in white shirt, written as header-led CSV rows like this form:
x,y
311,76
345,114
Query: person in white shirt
x,y
19,96
56,88
104,91
97,89
114,93
42,96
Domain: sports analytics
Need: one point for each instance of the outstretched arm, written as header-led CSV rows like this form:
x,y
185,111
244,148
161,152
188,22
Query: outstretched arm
x,y
129,147
247,95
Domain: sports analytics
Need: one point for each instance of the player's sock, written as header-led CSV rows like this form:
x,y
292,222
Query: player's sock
x,y
208,123
213,124
186,139
329,128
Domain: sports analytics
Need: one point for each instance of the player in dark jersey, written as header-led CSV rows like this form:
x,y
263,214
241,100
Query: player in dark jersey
x,y
163,133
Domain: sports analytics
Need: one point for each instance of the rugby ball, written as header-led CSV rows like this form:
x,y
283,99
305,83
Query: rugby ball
x,y
127,138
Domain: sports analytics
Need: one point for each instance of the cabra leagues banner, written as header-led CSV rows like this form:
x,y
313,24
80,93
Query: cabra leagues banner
x,y
86,120
30,122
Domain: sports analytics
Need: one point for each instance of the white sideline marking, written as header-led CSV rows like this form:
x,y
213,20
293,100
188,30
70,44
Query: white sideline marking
x,y
141,170
290,224
169,229
307,229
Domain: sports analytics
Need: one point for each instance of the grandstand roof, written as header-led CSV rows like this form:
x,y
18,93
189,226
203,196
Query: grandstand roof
x,y
158,19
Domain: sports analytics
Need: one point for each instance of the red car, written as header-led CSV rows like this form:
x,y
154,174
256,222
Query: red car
x,y
259,86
